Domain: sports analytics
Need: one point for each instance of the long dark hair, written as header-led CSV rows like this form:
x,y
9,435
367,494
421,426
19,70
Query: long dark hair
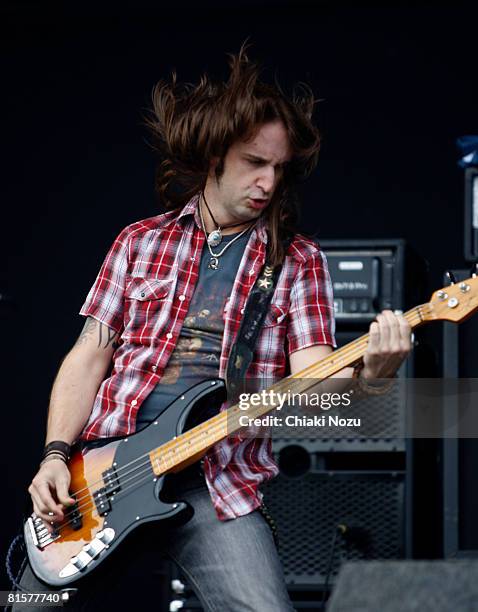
x,y
192,124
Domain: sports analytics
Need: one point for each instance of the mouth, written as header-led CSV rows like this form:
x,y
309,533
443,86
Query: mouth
x,y
258,203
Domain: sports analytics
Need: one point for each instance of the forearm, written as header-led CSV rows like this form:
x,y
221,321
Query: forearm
x,y
72,396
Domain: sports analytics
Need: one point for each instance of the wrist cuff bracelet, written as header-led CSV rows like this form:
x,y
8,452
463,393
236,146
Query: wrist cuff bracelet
x,y
59,447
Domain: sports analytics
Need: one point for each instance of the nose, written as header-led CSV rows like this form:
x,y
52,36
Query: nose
x,y
267,179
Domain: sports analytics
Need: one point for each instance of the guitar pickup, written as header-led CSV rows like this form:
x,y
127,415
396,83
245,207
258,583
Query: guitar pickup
x,y
103,495
74,517
111,481
102,501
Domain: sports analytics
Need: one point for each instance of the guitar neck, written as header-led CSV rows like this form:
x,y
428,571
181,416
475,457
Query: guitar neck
x,y
351,353
195,442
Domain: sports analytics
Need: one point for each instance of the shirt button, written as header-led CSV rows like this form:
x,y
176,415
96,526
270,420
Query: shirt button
x,y
169,335
242,310
182,298
154,368
134,402
193,259
143,294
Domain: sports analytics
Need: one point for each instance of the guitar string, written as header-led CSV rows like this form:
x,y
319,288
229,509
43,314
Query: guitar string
x,y
212,429
125,487
351,352
137,479
191,435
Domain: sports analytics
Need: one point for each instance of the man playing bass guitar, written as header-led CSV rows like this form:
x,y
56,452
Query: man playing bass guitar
x,y
166,307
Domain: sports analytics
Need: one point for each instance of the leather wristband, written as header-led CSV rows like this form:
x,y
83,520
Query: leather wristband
x,y
58,446
368,389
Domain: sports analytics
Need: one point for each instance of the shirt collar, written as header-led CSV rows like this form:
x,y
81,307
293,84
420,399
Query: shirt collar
x,y
191,208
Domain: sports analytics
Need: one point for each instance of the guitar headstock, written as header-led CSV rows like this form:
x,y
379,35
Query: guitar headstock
x,y
456,302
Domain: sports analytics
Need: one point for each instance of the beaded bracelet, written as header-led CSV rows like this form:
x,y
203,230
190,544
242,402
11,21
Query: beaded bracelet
x,y
52,457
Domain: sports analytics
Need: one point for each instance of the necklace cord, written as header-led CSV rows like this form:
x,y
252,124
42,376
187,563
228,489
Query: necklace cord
x,y
218,227
217,255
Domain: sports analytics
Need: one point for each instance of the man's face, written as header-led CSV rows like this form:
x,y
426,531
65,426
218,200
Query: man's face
x,y
252,171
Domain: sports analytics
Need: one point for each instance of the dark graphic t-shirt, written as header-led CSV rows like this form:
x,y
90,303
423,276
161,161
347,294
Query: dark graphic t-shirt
x,y
197,352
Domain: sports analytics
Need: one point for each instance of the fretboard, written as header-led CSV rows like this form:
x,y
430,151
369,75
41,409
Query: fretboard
x,y
195,442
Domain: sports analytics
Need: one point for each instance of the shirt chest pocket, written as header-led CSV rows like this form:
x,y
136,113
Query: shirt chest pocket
x,y
147,289
147,302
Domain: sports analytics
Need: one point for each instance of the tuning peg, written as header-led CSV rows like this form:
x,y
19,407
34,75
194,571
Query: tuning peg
x,y
451,277
474,270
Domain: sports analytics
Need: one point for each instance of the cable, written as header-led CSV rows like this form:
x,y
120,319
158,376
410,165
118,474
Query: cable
x,y
329,565
8,560
351,534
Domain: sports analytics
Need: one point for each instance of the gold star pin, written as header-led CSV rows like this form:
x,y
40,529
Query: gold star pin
x,y
265,283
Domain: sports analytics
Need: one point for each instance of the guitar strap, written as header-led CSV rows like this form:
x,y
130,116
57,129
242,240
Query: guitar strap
x,y
254,314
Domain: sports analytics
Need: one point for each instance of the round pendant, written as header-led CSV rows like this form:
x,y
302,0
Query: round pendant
x,y
213,263
214,237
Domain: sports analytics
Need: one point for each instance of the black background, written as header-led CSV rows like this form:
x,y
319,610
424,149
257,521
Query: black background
x,y
398,86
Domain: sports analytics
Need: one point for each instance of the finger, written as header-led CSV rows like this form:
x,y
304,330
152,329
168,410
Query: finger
x,y
38,500
47,519
38,506
373,338
393,326
384,331
47,502
405,334
62,492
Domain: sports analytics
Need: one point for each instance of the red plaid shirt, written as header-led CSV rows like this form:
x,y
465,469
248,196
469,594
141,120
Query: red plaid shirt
x,y
143,291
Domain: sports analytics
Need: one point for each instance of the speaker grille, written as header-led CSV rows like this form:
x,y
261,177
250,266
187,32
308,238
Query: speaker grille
x,y
307,510
383,424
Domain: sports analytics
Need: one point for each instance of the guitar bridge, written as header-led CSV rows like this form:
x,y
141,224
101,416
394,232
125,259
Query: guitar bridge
x,y
40,535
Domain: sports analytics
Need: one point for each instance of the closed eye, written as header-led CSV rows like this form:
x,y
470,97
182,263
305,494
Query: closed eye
x,y
262,162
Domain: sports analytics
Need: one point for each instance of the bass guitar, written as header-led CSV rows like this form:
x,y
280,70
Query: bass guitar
x,y
118,486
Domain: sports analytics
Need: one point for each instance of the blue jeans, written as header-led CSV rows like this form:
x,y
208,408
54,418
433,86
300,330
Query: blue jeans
x,y
231,565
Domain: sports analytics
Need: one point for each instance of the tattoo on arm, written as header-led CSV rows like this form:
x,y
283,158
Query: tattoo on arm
x,y
105,334
112,336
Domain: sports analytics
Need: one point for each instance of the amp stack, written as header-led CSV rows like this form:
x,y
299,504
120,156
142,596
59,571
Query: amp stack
x,y
460,451
471,214
339,498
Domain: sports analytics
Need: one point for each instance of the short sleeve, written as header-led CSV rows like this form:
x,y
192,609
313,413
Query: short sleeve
x,y
104,301
311,312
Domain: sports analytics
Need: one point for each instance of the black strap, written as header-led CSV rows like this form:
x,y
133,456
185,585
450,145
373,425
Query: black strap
x,y
254,314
